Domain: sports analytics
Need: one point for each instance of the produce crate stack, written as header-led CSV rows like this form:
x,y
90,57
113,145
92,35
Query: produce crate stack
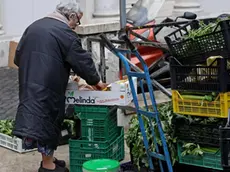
x,y
200,82
100,136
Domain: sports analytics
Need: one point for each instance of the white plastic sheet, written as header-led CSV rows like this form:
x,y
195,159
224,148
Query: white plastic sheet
x,y
144,11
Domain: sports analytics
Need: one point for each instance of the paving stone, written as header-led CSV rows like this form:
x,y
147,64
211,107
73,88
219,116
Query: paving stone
x,y
11,161
29,162
8,92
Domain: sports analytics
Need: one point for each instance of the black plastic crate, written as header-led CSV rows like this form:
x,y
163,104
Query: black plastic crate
x,y
194,51
128,167
203,134
213,78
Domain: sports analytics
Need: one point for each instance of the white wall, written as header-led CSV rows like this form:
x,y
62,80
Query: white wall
x,y
215,6
18,14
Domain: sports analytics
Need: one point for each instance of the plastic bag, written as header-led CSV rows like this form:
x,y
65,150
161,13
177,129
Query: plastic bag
x,y
81,84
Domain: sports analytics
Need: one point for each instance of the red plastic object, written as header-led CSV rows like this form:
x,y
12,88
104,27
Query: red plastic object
x,y
149,54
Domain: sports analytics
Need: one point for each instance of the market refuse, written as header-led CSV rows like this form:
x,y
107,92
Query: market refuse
x,y
194,42
117,93
192,146
6,127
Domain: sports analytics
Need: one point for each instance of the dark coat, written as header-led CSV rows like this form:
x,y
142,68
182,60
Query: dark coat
x,y
45,54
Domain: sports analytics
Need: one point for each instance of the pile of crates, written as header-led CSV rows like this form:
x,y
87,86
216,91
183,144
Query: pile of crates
x,y
190,72
200,67
100,136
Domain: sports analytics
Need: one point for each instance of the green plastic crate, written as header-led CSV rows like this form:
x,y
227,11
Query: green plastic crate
x,y
98,123
81,151
210,159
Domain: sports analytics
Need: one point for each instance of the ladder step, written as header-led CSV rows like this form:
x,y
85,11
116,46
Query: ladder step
x,y
148,114
137,74
156,155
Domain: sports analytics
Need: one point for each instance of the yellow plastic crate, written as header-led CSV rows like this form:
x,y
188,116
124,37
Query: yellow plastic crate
x,y
217,108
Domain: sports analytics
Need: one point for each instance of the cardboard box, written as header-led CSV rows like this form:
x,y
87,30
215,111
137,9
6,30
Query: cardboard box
x,y
12,50
117,95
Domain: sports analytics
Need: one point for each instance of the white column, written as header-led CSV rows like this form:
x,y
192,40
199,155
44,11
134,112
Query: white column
x,y
1,13
106,8
182,6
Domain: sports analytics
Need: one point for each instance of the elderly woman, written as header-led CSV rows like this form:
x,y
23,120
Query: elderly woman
x,y
47,51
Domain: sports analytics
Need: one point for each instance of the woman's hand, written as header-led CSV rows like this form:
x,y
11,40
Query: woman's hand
x,y
100,86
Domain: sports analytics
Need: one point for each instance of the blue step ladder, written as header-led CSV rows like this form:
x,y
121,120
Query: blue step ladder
x,y
154,115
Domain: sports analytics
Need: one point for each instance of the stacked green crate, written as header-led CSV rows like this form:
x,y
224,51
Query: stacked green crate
x,y
211,158
98,123
101,137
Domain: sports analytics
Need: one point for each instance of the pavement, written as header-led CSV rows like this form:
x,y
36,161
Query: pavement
x,y
11,161
29,162
8,92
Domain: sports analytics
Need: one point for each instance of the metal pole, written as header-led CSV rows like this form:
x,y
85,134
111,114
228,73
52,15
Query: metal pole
x,y
122,14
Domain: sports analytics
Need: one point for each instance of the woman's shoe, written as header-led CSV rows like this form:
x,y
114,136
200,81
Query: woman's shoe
x,y
57,169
